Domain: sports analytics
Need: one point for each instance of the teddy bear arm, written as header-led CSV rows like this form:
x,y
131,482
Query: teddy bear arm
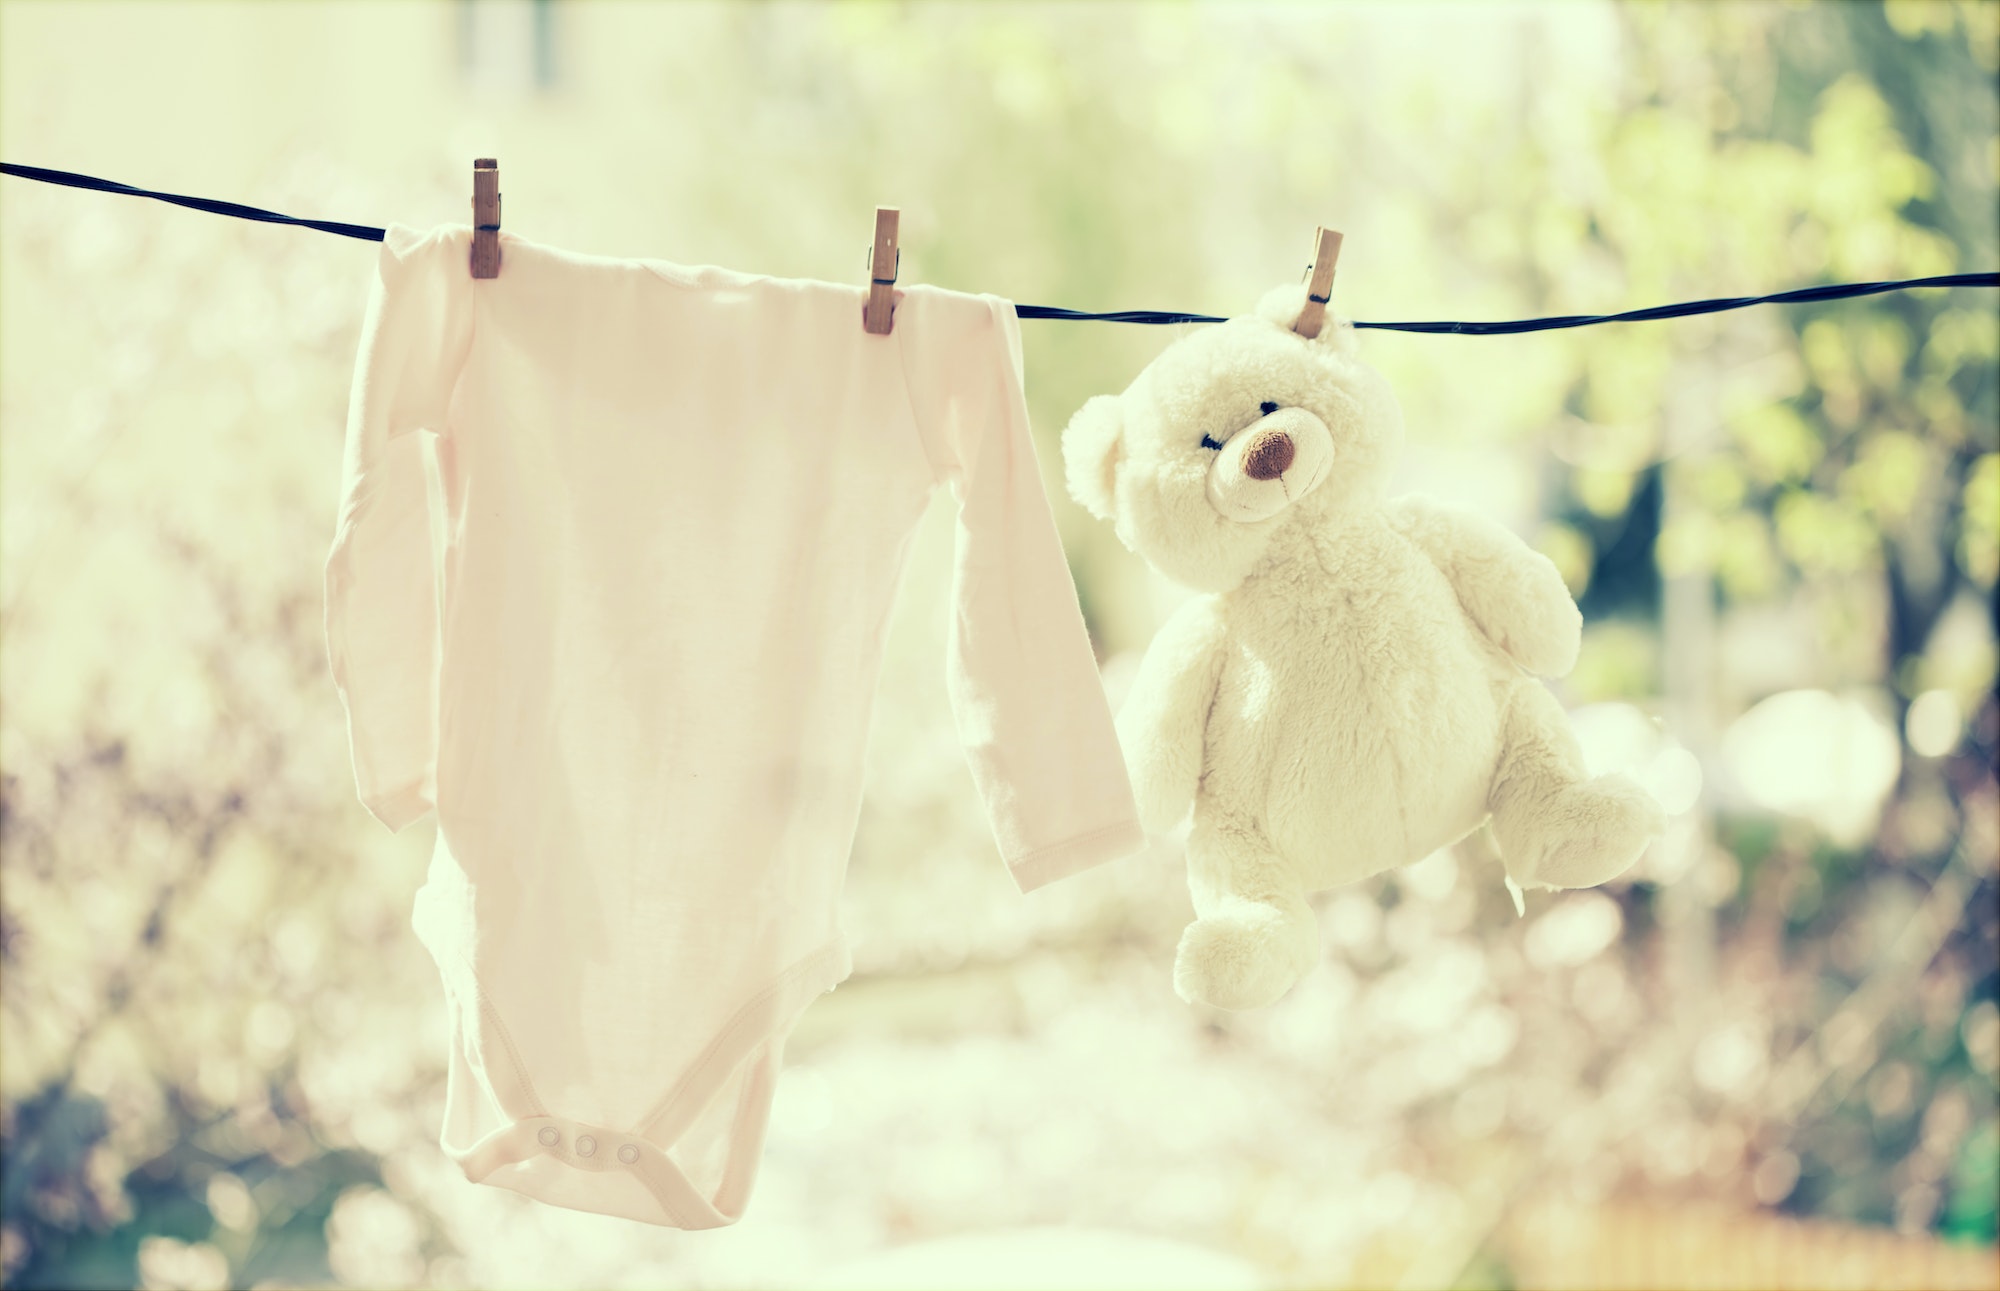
x,y
1163,724
1512,592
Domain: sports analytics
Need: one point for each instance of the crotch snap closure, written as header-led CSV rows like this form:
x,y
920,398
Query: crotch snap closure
x,y
628,1154
586,1146
550,1136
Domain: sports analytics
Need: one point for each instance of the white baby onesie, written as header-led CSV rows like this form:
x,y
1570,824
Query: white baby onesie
x,y
616,552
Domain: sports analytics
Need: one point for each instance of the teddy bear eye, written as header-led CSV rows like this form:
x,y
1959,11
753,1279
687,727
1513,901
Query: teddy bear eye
x,y
1210,441
1267,407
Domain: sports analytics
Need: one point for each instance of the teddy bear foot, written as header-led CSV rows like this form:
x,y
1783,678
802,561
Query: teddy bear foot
x,y
1590,832
1246,955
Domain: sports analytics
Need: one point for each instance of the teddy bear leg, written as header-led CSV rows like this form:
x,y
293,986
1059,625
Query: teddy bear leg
x,y
1557,826
1254,935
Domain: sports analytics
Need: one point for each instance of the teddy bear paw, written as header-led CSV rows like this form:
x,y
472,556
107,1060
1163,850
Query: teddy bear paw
x,y
1594,831
1246,956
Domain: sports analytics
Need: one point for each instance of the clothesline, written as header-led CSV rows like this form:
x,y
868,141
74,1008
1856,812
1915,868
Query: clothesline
x,y
1684,309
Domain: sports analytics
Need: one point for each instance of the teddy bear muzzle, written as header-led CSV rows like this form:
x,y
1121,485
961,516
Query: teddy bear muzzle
x,y
1269,464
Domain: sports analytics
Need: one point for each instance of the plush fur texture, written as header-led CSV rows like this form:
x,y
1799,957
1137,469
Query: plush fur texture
x,y
1357,687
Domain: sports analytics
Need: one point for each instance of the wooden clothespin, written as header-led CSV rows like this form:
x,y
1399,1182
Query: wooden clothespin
x,y
878,316
1319,283
485,218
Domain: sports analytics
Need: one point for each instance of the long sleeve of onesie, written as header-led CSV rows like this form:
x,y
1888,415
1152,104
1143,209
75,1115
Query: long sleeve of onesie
x,y
1022,680
632,672
381,585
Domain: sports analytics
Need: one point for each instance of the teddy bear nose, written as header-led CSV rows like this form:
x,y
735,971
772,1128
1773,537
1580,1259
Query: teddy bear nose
x,y
1270,456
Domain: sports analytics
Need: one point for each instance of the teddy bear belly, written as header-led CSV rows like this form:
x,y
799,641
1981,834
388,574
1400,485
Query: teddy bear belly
x,y
1374,753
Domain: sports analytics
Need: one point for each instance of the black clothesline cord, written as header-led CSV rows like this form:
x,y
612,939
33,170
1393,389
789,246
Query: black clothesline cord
x,y
209,204
1833,291
1513,326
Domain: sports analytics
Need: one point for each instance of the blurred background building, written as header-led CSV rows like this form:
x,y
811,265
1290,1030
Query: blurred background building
x,y
1766,1057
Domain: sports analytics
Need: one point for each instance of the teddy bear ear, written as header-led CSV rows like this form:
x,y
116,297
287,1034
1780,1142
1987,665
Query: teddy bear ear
x,y
1092,444
1281,305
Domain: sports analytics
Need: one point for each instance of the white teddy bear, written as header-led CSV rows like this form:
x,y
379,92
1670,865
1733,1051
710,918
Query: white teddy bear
x,y
1354,691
